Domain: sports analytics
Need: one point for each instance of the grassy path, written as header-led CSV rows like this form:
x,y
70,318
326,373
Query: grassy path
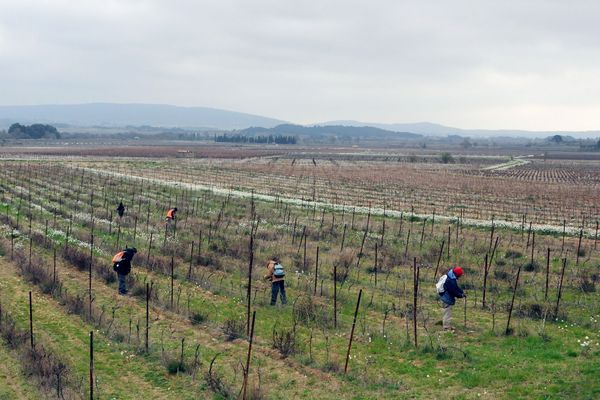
x,y
119,375
13,383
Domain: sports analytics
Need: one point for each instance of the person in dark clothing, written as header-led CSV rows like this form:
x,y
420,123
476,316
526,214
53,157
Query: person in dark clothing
x,y
276,275
121,209
450,292
122,266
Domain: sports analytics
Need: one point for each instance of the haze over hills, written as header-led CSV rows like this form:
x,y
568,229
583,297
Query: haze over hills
x,y
169,116
431,129
338,131
110,114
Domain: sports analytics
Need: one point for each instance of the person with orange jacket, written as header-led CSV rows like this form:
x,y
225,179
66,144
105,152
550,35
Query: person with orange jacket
x,y
171,216
122,266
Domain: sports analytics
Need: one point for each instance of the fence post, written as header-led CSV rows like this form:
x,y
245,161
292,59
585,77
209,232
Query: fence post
x,y
335,296
247,369
352,331
316,272
91,365
147,313
30,321
512,303
415,297
172,278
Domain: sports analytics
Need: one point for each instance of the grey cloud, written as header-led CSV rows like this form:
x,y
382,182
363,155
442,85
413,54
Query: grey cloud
x,y
511,64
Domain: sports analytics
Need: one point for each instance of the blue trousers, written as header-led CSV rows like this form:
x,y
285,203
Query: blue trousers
x,y
122,286
278,287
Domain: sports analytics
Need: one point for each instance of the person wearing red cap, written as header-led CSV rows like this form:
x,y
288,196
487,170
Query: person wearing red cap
x,y
448,291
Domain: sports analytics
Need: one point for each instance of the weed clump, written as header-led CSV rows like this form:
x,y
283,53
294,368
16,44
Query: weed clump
x,y
284,341
513,254
80,260
233,329
198,317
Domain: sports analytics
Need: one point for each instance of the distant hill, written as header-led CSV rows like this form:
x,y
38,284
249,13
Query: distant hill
x,y
328,131
110,115
431,129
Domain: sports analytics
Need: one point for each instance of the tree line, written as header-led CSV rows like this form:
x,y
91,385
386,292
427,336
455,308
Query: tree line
x,y
35,131
277,139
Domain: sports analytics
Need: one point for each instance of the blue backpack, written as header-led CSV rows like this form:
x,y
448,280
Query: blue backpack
x,y
278,271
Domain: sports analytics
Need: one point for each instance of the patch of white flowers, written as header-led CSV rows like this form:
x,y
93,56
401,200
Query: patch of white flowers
x,y
339,207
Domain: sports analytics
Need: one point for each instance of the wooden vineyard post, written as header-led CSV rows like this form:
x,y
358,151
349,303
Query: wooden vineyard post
x,y
579,246
305,267
189,275
376,255
172,278
30,249
562,275
147,315
30,320
247,369
149,250
118,235
596,236
547,274
448,246
485,275
416,271
465,311
512,303
316,272
344,237
135,227
91,365
54,268
352,331
563,236
90,275
249,293
437,266
532,247
335,296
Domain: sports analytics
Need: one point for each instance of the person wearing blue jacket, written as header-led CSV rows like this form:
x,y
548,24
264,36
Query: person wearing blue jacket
x,y
450,292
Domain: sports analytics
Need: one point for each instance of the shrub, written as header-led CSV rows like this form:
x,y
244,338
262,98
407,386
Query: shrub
x,y
501,275
74,304
284,341
106,273
513,254
531,266
198,317
587,286
76,257
176,366
13,336
532,310
304,310
234,329
343,264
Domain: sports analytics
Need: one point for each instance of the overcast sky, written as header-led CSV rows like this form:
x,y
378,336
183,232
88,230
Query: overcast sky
x,y
470,64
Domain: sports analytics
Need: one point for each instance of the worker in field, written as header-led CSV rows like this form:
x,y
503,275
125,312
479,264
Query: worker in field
x,y
121,209
448,290
171,215
122,266
276,275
